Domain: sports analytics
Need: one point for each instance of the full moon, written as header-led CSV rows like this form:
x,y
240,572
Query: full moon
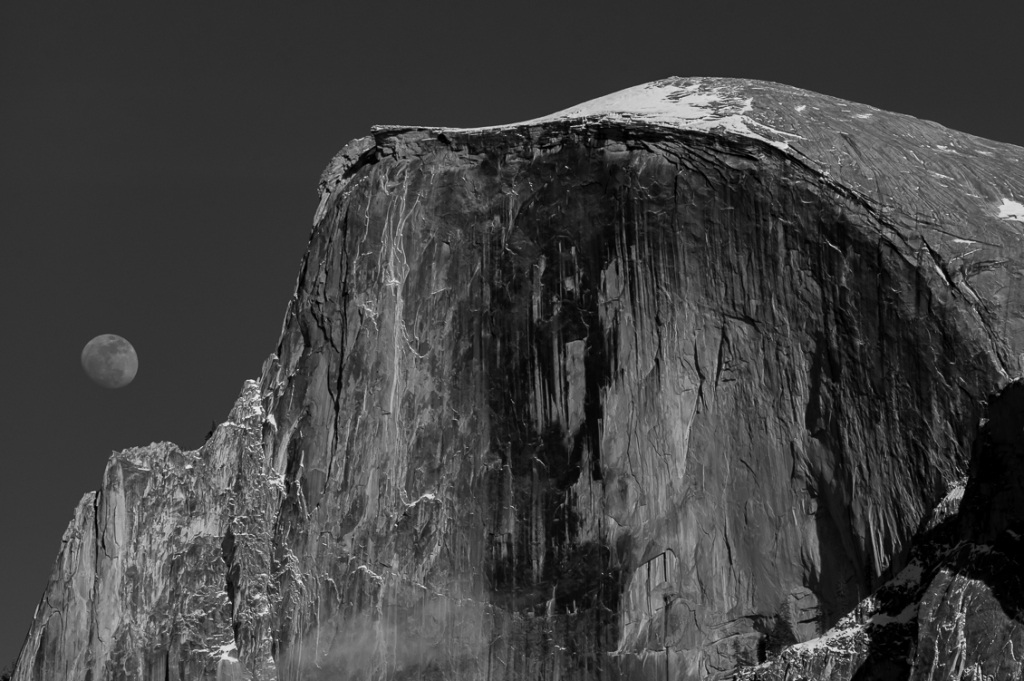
x,y
110,361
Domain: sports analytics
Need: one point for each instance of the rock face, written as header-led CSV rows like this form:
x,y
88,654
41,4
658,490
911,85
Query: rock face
x,y
139,589
682,383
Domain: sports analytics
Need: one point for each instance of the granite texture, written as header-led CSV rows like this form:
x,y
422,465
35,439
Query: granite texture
x,y
687,382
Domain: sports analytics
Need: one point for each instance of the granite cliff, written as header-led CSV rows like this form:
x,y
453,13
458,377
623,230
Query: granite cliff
x,y
705,378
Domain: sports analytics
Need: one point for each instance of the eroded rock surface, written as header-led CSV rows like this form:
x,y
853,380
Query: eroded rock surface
x,y
138,590
660,387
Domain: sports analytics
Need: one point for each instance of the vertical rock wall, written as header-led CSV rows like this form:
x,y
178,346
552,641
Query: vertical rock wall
x,y
597,404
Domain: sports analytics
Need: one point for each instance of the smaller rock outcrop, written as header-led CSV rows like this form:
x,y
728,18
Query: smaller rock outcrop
x,y
139,589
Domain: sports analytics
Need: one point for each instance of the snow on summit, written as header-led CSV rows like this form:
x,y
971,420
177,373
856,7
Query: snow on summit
x,y
688,104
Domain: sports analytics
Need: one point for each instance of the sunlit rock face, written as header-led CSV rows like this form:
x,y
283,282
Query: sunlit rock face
x,y
683,382
138,590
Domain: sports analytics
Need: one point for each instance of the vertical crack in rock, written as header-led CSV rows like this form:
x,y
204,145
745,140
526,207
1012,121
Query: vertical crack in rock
x,y
683,383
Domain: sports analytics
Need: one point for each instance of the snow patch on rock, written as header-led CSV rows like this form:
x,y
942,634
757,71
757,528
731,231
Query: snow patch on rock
x,y
1011,210
834,641
227,652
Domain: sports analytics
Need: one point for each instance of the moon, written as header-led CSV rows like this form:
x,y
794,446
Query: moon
x,y
110,361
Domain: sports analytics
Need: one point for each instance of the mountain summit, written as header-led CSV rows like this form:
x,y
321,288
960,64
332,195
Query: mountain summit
x,y
706,378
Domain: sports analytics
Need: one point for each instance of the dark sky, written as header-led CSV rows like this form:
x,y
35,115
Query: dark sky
x,y
158,172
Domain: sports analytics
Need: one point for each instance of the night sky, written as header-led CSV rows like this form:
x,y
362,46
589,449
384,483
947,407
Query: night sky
x,y
158,174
